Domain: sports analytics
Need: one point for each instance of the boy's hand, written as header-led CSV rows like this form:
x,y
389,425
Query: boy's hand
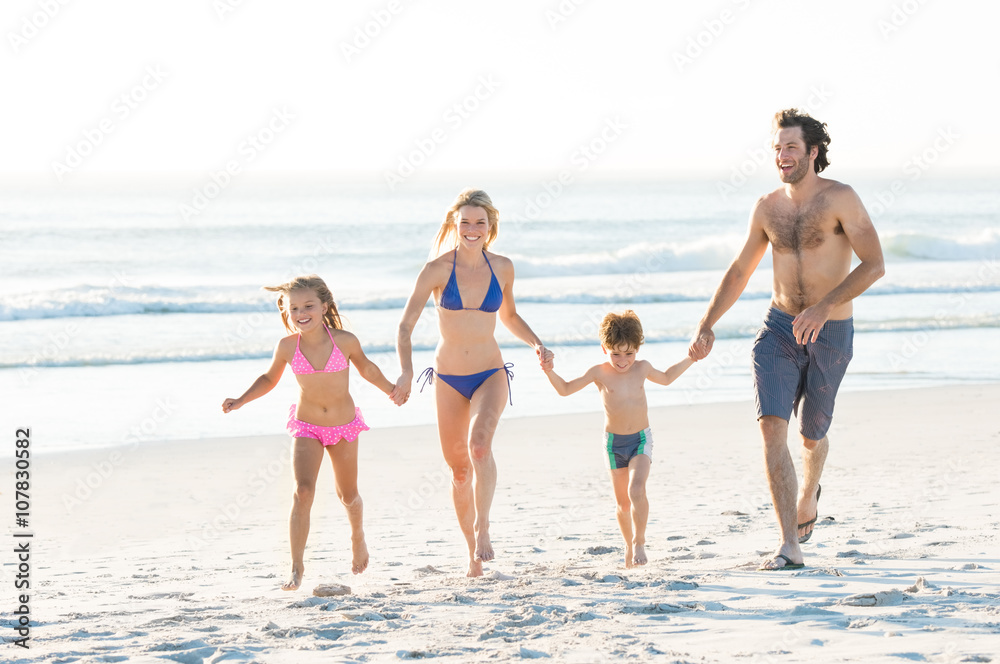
x,y
230,405
701,344
547,360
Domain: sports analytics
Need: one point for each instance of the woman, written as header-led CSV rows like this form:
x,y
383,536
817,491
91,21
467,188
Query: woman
x,y
471,286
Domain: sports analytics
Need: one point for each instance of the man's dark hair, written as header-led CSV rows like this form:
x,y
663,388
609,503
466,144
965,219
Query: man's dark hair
x,y
813,132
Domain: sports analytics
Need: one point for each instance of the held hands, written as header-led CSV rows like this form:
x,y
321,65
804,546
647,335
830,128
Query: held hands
x,y
401,391
701,344
230,405
545,357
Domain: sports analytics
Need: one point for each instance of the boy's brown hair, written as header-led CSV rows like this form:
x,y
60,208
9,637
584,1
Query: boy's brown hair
x,y
621,331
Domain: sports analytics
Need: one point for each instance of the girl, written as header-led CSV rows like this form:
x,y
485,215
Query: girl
x,y
325,416
472,288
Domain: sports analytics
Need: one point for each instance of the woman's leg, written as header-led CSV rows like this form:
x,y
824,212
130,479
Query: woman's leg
x,y
344,457
453,430
307,456
486,407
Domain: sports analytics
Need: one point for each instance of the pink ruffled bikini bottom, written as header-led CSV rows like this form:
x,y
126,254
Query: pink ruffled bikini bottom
x,y
327,435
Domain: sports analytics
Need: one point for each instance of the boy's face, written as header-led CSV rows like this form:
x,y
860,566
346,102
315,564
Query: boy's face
x,y
621,357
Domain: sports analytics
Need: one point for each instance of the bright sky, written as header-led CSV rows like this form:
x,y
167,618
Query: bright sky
x,y
189,86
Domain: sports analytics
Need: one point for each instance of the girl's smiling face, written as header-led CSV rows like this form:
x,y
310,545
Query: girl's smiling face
x,y
305,309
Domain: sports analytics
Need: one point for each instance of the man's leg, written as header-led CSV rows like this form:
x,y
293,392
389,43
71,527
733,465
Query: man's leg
x,y
784,485
813,459
828,360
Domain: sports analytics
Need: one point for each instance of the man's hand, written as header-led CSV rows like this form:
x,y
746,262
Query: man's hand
x,y
806,325
701,344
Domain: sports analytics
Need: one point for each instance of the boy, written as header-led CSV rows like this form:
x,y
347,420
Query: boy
x,y
627,440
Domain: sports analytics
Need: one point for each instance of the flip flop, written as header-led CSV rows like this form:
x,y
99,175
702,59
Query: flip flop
x,y
805,538
788,564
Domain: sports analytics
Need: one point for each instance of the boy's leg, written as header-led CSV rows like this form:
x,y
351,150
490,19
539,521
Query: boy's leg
x,y
344,457
623,509
307,457
638,469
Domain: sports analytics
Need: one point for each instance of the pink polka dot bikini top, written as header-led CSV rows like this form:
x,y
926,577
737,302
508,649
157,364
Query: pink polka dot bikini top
x,y
336,362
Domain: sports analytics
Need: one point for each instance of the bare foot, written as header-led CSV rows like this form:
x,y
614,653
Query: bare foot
x,y
628,556
295,580
475,568
484,548
359,563
640,555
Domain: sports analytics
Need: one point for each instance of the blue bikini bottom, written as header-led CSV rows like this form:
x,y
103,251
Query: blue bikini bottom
x,y
467,385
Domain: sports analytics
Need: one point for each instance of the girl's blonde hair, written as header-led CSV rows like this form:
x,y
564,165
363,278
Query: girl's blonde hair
x,y
447,235
309,282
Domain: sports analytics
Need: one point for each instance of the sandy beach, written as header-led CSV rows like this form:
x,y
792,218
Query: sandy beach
x,y
175,551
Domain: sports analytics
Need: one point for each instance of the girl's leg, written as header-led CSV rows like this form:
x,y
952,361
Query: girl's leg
x,y
638,469
486,407
453,430
623,509
307,456
344,457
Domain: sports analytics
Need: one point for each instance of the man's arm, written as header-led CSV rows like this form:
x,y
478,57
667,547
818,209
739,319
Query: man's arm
x,y
860,232
732,285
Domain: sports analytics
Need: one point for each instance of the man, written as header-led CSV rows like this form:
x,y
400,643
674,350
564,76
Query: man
x,y
813,225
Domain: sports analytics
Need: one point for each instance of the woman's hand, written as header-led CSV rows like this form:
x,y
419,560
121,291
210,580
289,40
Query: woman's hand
x,y
230,405
401,391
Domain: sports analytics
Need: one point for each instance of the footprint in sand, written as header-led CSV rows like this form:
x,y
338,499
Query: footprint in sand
x,y
659,607
600,550
331,590
892,597
427,569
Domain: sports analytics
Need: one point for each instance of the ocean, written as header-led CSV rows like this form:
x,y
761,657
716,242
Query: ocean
x,y
126,318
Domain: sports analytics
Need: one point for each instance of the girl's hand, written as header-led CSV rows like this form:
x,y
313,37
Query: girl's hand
x,y
230,405
401,391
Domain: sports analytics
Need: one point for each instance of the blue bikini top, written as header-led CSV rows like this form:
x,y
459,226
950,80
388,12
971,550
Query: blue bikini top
x,y
452,299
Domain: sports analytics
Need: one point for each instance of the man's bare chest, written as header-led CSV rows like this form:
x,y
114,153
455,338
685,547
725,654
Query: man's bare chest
x,y
798,228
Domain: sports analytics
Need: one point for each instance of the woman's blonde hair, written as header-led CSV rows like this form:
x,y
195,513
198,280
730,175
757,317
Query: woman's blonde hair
x,y
447,235
309,282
